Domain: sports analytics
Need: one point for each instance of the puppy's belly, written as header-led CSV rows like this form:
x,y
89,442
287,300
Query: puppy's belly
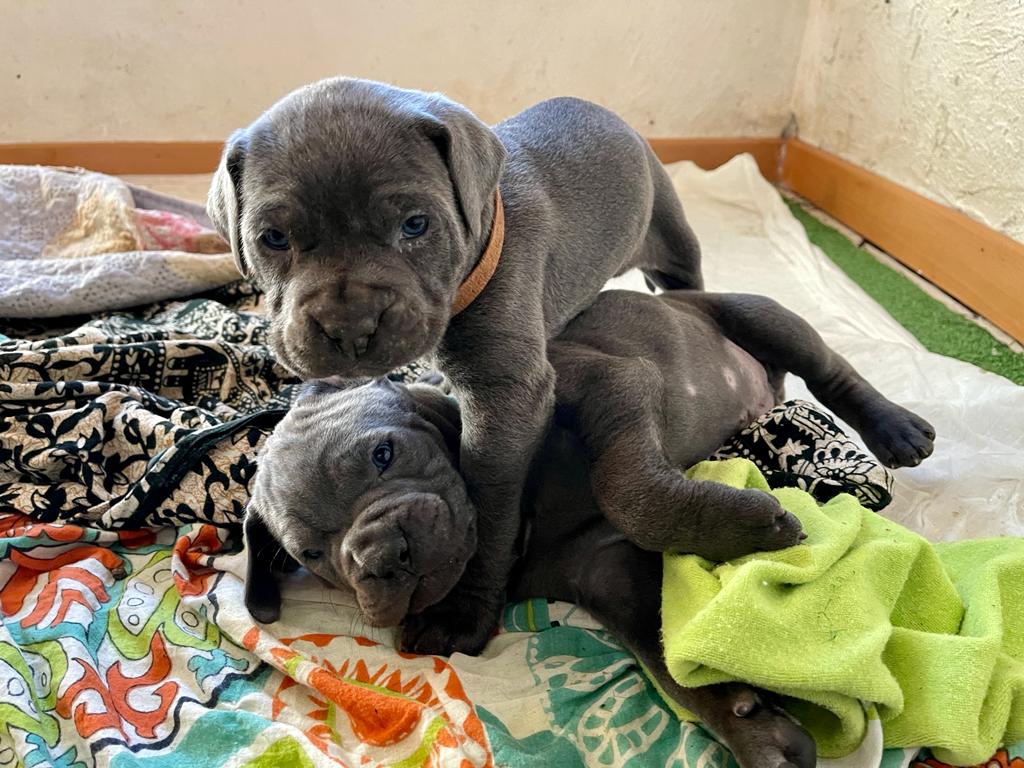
x,y
709,408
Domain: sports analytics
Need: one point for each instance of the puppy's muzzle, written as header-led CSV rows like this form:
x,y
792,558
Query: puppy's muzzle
x,y
350,323
405,551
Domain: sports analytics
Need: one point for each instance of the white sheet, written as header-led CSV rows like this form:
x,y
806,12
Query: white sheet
x,y
973,485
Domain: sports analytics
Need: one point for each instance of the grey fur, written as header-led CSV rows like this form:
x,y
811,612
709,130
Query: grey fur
x,y
399,538
339,164
697,367
606,487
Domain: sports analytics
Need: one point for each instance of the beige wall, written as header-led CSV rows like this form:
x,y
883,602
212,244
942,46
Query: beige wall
x,y
929,93
174,69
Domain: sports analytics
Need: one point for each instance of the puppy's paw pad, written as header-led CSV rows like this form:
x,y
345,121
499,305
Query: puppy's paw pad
x,y
757,522
435,379
265,614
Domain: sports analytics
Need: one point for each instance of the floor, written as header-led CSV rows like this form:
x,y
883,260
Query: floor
x,y
194,187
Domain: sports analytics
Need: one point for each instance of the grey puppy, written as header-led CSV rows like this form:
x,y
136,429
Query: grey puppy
x,y
645,385
361,208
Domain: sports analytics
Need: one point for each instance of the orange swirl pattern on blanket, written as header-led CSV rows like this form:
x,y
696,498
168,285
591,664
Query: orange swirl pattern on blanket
x,y
381,704
1000,759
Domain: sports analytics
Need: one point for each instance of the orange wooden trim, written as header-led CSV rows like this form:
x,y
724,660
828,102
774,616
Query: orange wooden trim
x,y
119,157
159,157
980,267
711,153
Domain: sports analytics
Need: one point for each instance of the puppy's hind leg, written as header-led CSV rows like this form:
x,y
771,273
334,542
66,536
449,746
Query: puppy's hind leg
x,y
616,405
782,340
670,254
574,554
621,588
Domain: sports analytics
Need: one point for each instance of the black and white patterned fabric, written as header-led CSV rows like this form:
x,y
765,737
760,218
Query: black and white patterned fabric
x,y
147,418
156,417
797,444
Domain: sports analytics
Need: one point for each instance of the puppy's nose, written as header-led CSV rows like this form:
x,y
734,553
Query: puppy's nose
x,y
350,341
380,557
350,320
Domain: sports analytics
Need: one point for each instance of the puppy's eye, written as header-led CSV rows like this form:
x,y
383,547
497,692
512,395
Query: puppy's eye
x,y
414,226
382,455
275,239
312,554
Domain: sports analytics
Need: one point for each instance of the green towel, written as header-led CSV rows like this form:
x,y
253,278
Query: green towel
x,y
864,612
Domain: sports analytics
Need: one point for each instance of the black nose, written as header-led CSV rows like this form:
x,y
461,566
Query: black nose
x,y
350,341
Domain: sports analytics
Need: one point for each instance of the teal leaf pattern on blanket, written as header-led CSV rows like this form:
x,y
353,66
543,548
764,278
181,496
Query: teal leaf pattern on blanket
x,y
602,709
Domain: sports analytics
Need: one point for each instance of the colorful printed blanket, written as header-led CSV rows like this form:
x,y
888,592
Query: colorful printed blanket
x,y
127,442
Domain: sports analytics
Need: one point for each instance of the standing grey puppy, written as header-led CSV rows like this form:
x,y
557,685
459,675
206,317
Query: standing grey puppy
x,y
361,209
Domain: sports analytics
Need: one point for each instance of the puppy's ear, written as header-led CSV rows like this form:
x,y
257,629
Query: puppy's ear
x,y
223,204
262,595
442,411
474,156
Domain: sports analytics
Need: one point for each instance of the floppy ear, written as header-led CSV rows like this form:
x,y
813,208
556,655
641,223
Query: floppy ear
x,y
474,156
262,595
442,411
223,204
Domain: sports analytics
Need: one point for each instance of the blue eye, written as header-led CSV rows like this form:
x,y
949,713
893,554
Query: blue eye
x,y
382,455
312,554
414,226
275,239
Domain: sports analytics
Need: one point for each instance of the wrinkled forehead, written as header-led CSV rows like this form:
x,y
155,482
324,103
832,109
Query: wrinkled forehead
x,y
326,413
325,150
322,439
315,434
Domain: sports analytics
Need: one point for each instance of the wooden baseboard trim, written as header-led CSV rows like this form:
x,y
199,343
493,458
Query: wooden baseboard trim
x,y
711,153
119,157
981,268
159,157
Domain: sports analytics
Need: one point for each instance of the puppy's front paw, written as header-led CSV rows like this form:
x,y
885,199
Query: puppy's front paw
x,y
266,608
458,624
760,735
898,437
751,521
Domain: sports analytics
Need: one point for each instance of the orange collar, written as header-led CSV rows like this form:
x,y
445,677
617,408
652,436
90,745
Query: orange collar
x,y
477,280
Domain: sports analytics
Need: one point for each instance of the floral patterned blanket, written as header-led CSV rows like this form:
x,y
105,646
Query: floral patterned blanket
x,y
127,442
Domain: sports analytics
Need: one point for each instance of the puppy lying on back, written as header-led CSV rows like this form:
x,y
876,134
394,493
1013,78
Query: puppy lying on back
x,y
362,485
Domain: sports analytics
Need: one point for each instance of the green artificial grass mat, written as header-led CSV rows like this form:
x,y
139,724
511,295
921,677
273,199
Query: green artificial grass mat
x,y
938,328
